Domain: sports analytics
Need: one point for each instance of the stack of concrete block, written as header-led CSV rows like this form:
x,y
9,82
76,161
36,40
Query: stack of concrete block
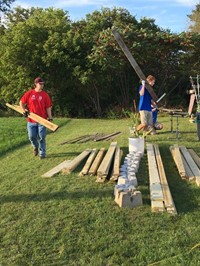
x,y
125,192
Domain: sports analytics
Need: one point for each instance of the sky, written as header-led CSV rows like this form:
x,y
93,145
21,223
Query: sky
x,y
168,14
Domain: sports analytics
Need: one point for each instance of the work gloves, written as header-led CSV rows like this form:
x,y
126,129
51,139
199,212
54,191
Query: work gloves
x,y
143,82
26,113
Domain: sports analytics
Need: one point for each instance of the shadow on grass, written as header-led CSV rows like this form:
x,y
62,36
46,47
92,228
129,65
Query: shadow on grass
x,y
63,195
18,145
13,148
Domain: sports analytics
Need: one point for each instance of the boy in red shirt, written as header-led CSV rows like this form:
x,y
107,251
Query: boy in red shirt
x,y
39,102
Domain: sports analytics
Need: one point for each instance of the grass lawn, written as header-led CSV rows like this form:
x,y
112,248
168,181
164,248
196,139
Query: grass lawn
x,y
72,220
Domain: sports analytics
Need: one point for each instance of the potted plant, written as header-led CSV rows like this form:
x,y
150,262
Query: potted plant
x,y
137,138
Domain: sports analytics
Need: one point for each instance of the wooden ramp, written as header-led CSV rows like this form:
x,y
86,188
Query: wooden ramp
x,y
161,198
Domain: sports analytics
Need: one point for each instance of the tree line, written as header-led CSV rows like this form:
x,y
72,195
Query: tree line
x,y
85,71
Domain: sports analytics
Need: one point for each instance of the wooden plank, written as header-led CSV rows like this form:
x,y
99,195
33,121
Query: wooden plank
x,y
88,163
96,162
157,206
74,139
75,162
57,169
189,175
104,167
194,168
116,166
133,63
106,136
35,117
168,200
191,104
179,161
195,157
152,165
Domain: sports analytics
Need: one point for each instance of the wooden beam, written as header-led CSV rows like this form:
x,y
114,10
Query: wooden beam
x,y
104,167
133,63
116,165
179,162
96,162
75,162
195,157
191,163
35,117
57,169
168,200
88,163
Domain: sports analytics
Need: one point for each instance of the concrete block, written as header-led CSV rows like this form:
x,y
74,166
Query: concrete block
x,y
129,199
122,180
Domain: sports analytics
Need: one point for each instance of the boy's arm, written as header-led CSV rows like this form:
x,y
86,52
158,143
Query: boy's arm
x,y
143,88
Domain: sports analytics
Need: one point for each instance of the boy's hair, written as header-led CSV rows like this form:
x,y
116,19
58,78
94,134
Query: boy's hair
x,y
150,78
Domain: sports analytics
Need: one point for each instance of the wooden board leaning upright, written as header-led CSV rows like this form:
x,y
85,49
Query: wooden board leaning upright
x,y
35,117
133,63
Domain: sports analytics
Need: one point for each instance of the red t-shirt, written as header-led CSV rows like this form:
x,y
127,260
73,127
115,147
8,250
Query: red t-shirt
x,y
37,102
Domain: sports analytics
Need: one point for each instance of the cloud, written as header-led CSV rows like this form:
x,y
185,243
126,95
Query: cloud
x,y
189,3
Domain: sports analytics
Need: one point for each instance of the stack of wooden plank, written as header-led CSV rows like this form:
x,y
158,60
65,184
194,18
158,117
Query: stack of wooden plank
x,y
93,137
99,162
187,163
161,198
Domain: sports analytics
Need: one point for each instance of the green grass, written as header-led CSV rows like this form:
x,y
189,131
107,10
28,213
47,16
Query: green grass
x,y
72,220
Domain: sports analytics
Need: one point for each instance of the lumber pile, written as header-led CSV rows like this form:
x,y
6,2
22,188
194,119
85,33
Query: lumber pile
x,y
187,163
125,192
92,137
98,163
160,195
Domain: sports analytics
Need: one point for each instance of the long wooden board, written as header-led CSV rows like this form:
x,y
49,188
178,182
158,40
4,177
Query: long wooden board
x,y
75,162
104,167
35,117
133,63
88,163
168,200
57,169
96,162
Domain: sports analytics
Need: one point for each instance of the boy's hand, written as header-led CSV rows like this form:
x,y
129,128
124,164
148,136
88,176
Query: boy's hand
x,y
143,82
26,113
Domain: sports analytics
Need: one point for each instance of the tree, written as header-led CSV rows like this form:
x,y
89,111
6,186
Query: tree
x,y
5,5
195,19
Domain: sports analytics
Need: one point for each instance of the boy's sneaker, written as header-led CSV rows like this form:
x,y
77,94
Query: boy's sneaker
x,y
35,151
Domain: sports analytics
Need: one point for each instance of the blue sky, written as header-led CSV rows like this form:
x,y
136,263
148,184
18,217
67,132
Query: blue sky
x,y
168,14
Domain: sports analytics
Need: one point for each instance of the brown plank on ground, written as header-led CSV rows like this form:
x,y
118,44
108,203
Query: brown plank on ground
x,y
168,200
88,163
107,136
97,161
35,117
116,165
104,167
74,140
76,161
56,169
